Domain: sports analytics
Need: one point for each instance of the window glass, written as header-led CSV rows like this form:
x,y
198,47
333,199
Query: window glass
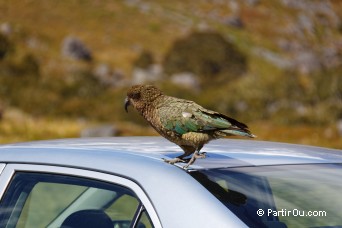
x,y
279,196
47,200
123,208
145,221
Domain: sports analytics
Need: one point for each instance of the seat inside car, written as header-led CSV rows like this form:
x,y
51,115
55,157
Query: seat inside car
x,y
88,219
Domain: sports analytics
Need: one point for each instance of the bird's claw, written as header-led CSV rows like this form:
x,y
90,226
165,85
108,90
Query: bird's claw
x,y
189,161
194,157
173,161
186,166
201,155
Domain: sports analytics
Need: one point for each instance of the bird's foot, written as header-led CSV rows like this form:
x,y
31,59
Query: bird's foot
x,y
201,155
194,157
173,161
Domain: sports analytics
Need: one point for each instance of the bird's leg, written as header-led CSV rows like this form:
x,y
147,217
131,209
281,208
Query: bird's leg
x,y
192,160
188,150
174,160
202,155
196,155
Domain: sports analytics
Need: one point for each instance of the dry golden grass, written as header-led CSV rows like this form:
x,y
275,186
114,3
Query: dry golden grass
x,y
17,126
324,136
113,31
267,131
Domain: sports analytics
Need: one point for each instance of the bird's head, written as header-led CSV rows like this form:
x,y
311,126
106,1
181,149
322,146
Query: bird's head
x,y
141,95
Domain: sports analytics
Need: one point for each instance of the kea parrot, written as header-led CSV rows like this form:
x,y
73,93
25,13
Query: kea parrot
x,y
182,122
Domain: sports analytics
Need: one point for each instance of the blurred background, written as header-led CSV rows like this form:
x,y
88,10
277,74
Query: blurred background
x,y
65,66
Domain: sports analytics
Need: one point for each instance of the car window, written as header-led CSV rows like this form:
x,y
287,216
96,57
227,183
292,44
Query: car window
x,y
145,219
279,196
48,200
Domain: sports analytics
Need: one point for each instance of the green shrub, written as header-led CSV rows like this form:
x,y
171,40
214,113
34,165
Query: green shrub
x,y
207,54
287,98
144,60
5,46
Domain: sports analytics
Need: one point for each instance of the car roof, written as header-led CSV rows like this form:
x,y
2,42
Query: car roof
x,y
137,159
132,150
140,160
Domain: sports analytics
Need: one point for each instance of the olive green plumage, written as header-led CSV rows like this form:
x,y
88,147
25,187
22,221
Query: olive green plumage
x,y
183,122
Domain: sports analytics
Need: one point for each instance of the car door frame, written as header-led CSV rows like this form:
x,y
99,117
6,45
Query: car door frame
x,y
9,170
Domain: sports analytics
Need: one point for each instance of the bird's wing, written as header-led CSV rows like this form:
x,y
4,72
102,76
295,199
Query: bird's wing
x,y
190,117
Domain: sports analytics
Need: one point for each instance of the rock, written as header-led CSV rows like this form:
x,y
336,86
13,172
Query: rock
x,y
6,28
109,77
234,6
290,46
186,79
300,108
119,79
131,2
331,57
144,7
322,10
100,131
273,107
252,2
33,43
241,106
274,58
102,70
152,73
306,23
307,62
302,59
339,127
234,21
76,49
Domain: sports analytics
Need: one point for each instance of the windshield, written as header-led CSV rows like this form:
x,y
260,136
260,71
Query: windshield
x,y
279,196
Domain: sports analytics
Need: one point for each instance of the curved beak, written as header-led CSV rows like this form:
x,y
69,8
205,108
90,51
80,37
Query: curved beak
x,y
127,103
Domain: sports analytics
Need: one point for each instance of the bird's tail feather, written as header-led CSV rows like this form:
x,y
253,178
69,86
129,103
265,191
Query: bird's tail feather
x,y
239,132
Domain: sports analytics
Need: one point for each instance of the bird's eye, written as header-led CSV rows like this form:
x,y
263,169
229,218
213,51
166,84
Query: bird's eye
x,y
135,95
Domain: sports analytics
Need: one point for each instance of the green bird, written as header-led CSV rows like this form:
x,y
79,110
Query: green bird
x,y
182,122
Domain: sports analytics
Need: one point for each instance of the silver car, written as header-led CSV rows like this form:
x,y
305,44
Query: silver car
x,y
124,182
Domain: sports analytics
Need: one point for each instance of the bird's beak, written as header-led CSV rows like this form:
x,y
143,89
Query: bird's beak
x,y
127,103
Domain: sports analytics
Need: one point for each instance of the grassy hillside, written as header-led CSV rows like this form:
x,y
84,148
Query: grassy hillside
x,y
290,90
112,29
